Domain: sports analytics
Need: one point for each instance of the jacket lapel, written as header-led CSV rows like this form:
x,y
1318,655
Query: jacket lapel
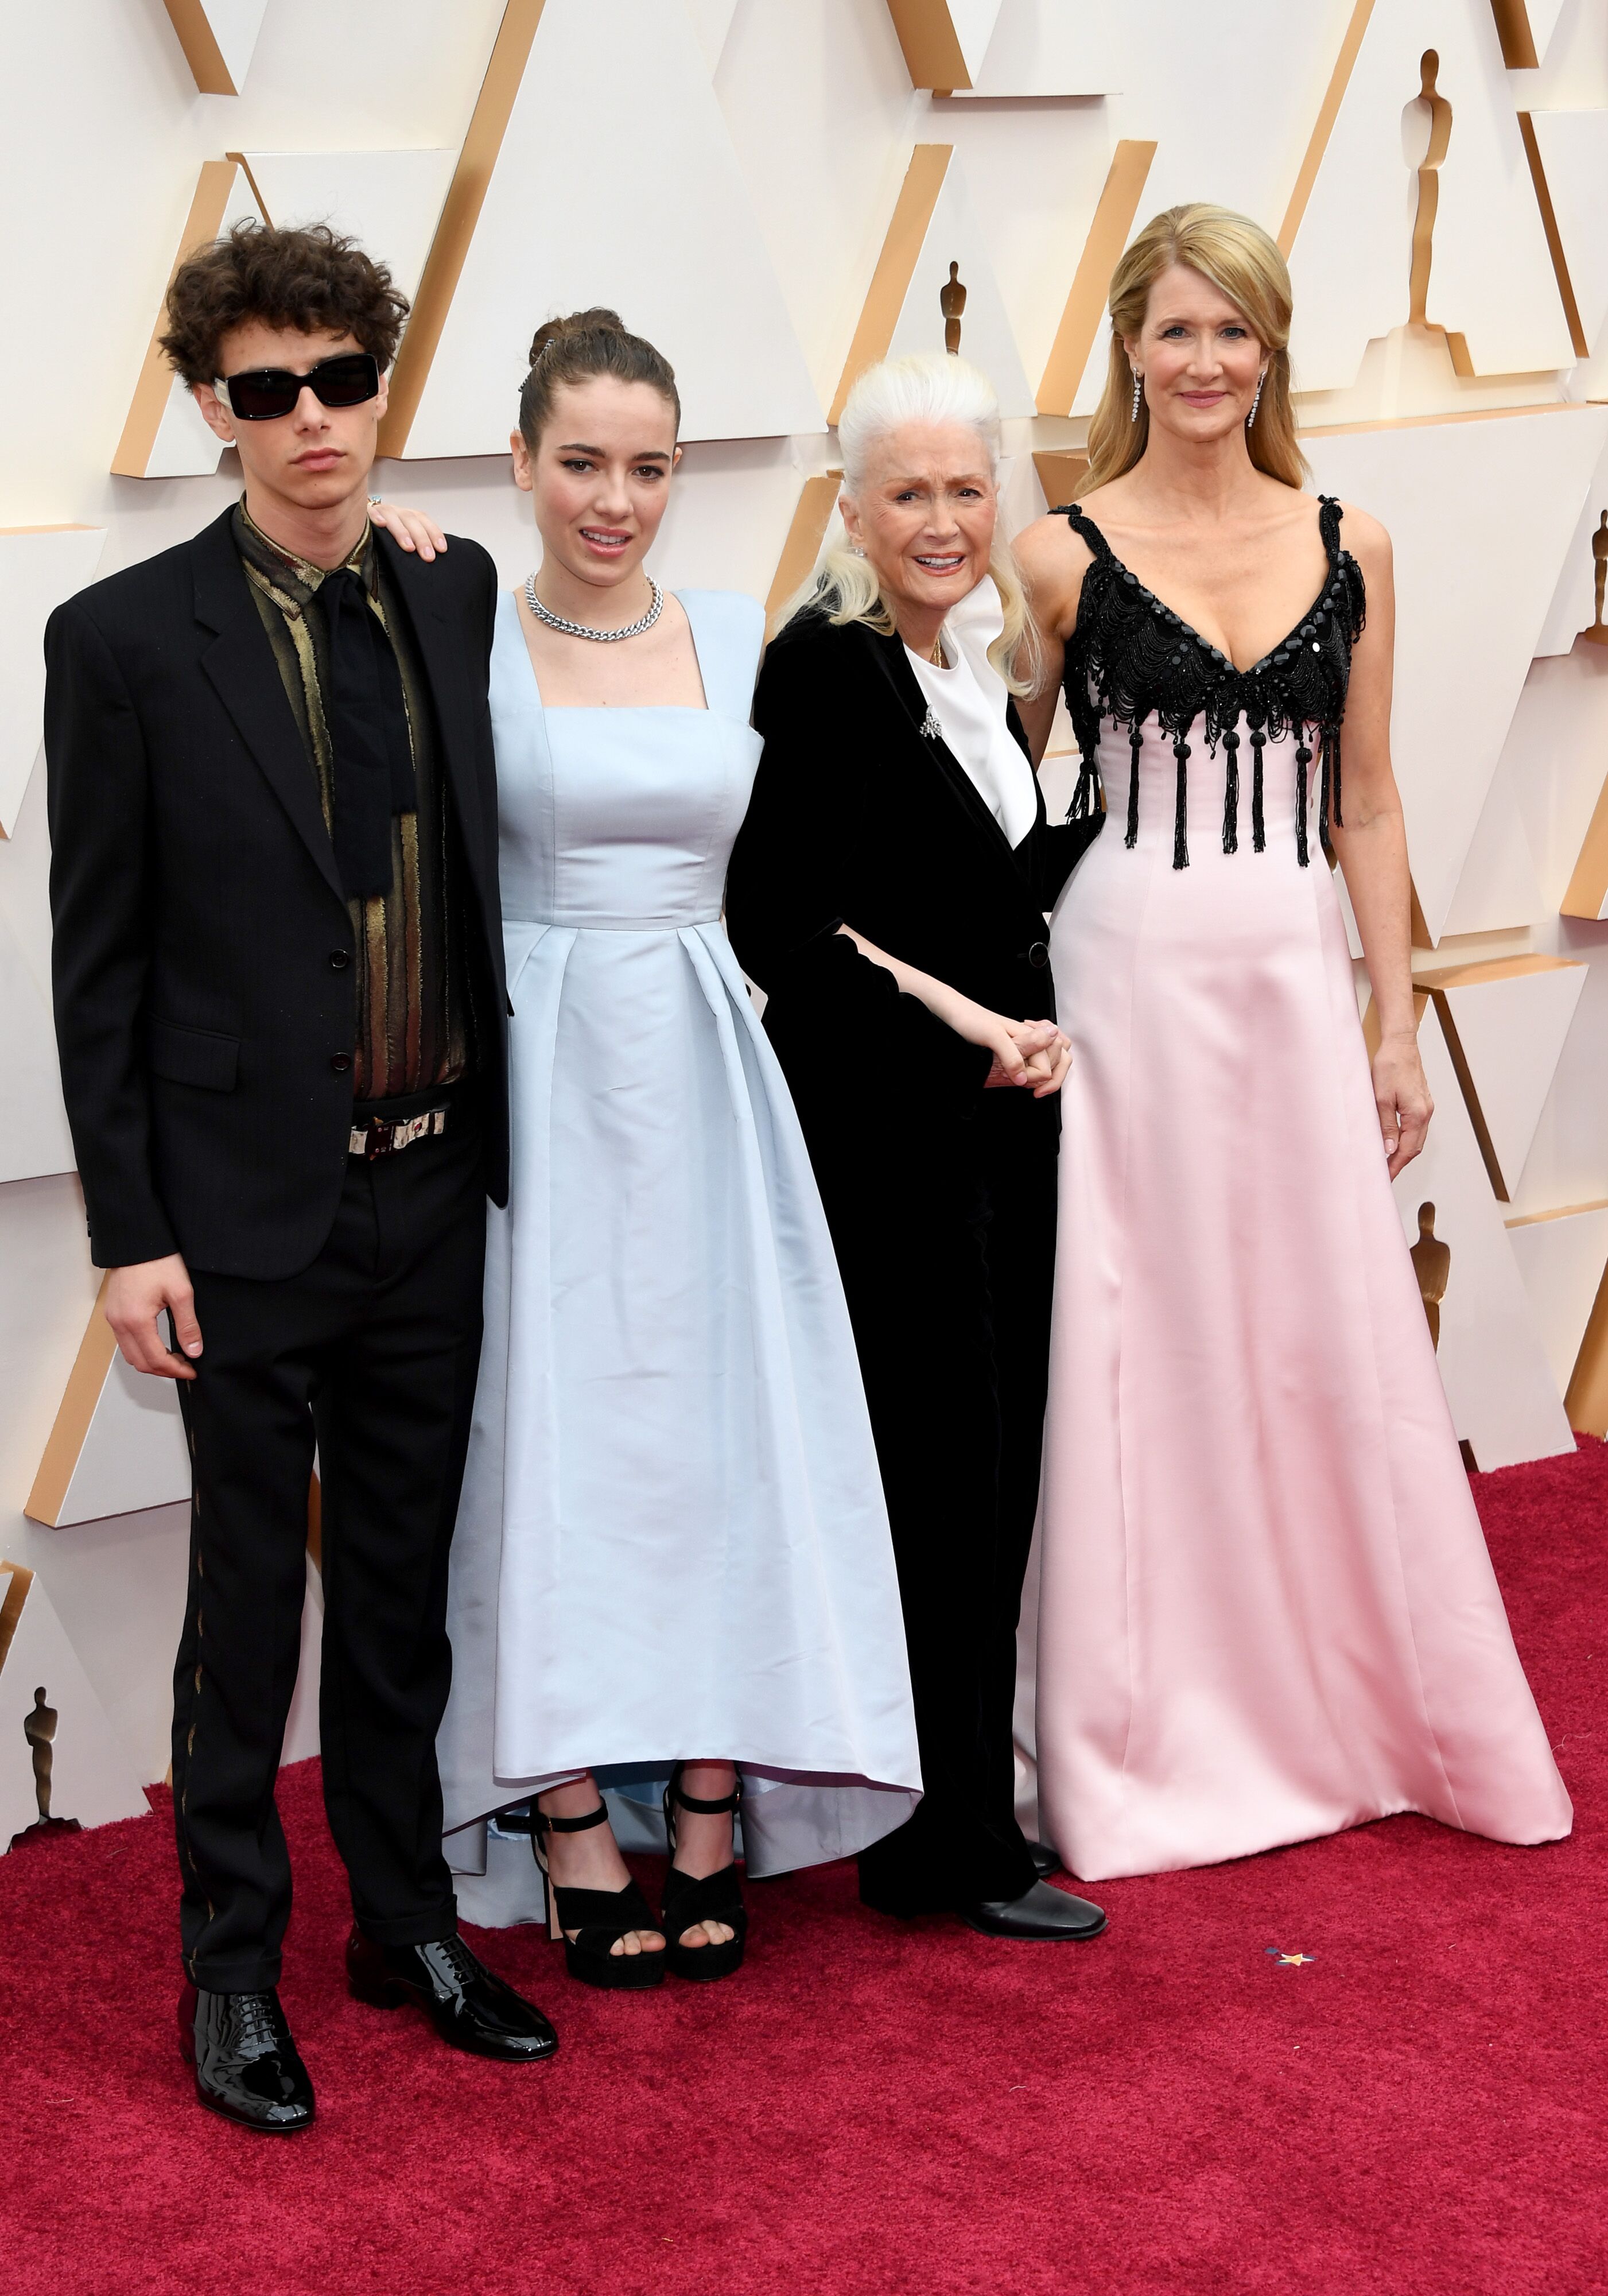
x,y
962,788
241,665
442,643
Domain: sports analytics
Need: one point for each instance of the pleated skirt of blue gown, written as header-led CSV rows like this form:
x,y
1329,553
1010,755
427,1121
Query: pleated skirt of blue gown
x,y
672,1542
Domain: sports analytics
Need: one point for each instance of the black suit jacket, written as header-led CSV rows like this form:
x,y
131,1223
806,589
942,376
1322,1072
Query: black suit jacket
x,y
203,990
859,818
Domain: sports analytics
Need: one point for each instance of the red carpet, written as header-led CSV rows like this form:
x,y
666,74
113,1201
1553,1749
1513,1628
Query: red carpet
x,y
870,2107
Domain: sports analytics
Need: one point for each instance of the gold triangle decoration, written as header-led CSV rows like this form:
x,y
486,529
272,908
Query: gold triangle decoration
x,y
817,499
895,265
164,436
1324,125
218,38
1108,235
459,212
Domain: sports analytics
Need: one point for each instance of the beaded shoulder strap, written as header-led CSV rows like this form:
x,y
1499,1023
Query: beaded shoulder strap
x,y
1085,798
1083,524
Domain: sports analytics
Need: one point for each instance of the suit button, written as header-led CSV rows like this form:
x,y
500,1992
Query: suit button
x,y
339,960
1039,954
341,1063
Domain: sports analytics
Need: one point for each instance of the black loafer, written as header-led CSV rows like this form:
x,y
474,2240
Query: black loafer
x,y
470,2007
1046,1860
246,2064
1041,1911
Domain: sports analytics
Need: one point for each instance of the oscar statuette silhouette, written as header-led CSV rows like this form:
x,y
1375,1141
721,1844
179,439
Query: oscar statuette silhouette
x,y
39,1728
952,303
1432,1266
1597,634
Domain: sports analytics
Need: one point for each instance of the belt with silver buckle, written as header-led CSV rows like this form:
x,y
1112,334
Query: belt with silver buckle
x,y
381,1136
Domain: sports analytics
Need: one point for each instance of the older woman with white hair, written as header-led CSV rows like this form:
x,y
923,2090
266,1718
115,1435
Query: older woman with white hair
x,y
888,890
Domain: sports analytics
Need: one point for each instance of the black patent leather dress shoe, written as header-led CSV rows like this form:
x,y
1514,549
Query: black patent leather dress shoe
x,y
246,2064
469,2006
1043,1912
1045,1861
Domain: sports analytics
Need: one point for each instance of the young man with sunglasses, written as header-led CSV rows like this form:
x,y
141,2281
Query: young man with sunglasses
x,y
280,1010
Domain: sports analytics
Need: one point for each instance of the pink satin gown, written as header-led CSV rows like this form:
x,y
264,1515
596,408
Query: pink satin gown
x,y
1265,1609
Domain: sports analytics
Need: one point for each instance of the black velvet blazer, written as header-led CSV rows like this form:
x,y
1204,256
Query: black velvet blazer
x,y
202,943
858,817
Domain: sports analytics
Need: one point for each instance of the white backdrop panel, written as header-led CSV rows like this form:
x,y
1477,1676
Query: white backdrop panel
x,y
672,181
1480,514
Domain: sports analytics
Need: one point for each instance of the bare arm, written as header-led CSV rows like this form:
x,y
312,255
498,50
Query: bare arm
x,y
1030,1053
1370,844
1053,561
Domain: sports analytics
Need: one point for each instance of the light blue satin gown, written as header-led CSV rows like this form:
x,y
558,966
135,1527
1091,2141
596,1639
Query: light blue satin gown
x,y
672,1542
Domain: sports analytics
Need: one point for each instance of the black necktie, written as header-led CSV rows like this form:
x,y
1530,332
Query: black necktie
x,y
366,717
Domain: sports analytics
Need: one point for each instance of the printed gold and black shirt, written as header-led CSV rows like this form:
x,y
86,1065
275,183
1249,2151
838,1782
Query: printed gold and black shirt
x,y
410,985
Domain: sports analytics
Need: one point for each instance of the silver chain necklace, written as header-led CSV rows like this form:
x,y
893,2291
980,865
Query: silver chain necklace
x,y
581,629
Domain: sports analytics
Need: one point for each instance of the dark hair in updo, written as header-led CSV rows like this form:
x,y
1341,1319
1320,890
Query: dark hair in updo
x,y
575,348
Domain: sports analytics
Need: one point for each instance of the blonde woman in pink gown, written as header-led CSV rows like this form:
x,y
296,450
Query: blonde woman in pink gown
x,y
1265,1609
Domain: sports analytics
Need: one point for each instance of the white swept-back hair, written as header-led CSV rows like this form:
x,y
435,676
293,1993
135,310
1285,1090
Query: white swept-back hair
x,y
927,387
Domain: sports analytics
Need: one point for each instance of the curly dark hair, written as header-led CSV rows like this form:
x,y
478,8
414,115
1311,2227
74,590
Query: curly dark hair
x,y
312,279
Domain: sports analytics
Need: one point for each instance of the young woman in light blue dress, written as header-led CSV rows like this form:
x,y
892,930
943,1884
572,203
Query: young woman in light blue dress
x,y
672,1571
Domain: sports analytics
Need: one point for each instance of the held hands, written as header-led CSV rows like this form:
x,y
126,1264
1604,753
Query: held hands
x,y
409,527
1033,1054
1401,1094
136,1297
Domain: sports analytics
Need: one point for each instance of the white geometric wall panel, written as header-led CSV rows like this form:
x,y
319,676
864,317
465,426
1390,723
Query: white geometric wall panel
x,y
1556,757
1499,888
165,437
91,1778
1560,1255
1037,47
671,185
1512,1017
1471,596
711,21
1491,279
1540,21
39,567
34,1138
1573,146
1504,1402
118,1444
218,38
389,201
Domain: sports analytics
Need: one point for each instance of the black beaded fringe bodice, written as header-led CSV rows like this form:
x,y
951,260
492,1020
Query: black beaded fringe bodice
x,y
1131,657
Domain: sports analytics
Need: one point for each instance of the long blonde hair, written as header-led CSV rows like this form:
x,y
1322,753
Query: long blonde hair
x,y
928,387
1244,264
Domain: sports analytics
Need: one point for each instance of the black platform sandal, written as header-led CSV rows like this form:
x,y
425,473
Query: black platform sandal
x,y
714,1897
597,1916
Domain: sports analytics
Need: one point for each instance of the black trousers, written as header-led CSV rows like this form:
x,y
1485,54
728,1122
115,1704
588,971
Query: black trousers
x,y
372,1350
947,1254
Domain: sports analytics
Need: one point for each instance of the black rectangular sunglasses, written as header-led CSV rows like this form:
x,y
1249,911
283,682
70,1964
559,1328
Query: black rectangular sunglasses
x,y
263,393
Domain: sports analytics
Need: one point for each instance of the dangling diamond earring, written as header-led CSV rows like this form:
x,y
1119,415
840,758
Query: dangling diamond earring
x,y
1257,401
1138,394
